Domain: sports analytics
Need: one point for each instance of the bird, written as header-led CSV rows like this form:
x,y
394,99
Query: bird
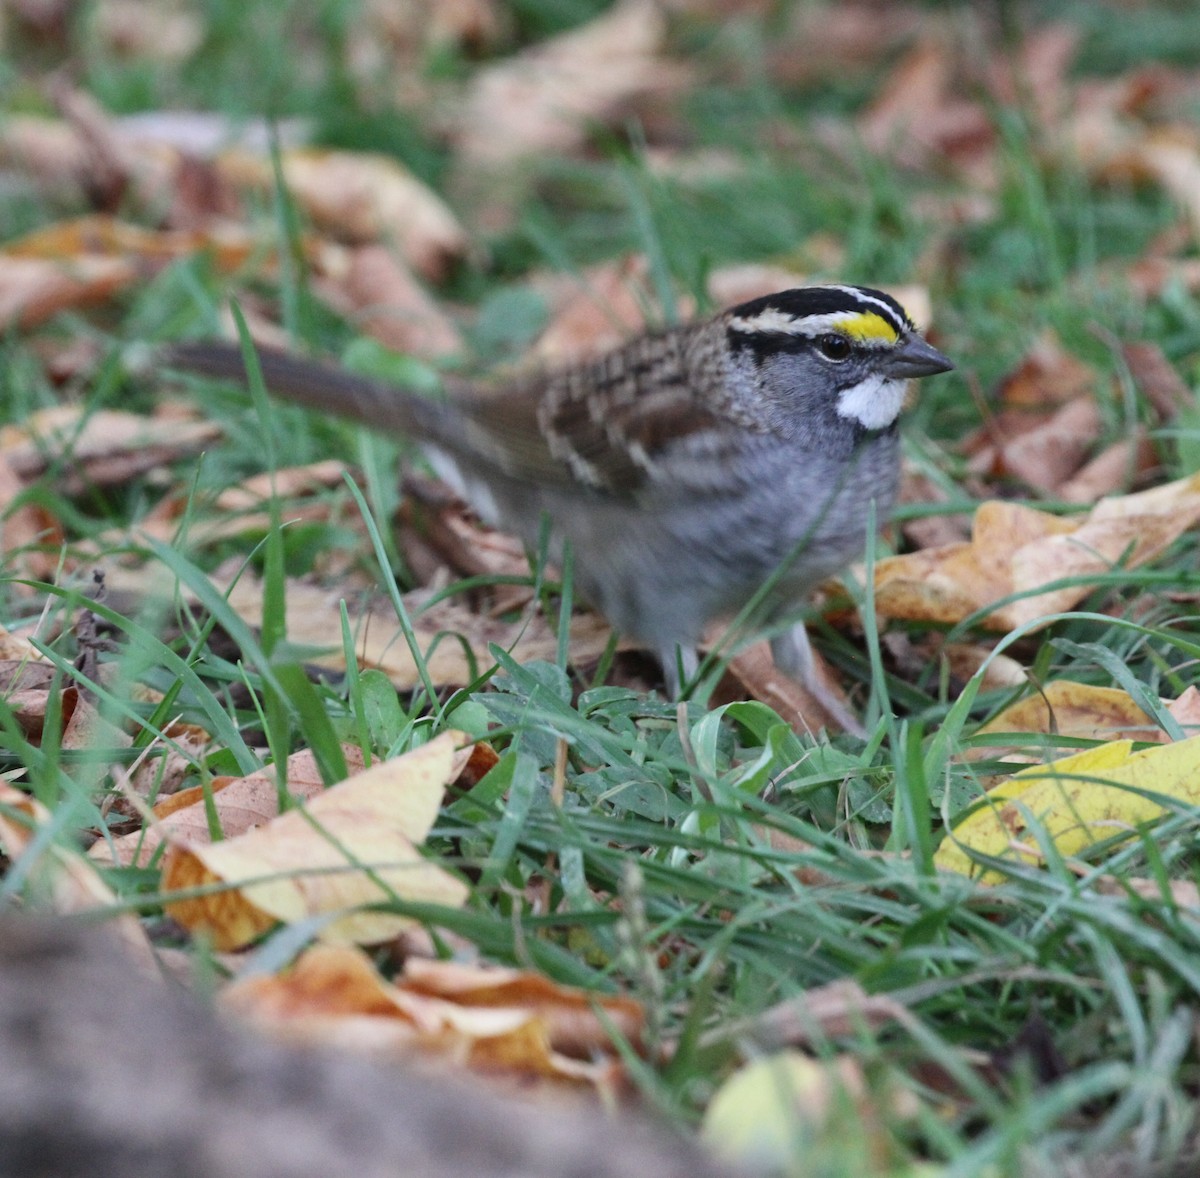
x,y
691,472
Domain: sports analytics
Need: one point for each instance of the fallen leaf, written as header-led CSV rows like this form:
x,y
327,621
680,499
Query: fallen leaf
x,y
1062,708
381,297
107,447
1186,709
568,1013
595,311
1157,379
1018,550
288,482
61,878
353,845
33,290
1114,469
543,100
754,675
1077,802
440,633
136,29
242,804
334,994
360,198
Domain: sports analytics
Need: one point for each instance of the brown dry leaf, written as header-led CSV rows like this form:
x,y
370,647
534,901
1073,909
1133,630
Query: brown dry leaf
x,y
33,290
90,259
48,149
163,776
334,993
1038,76
730,285
832,1011
1047,456
755,675
831,41
361,198
98,237
1157,379
379,294
147,29
1182,892
569,1014
30,536
543,100
286,483
965,658
1045,423
1015,549
432,516
61,879
107,447
17,649
918,120
313,621
242,803
1115,469
1186,710
353,845
595,311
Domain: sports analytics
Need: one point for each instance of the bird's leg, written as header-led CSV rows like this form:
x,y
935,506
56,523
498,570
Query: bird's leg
x,y
679,664
793,655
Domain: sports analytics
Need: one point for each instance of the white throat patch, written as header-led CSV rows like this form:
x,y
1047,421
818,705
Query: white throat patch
x,y
874,403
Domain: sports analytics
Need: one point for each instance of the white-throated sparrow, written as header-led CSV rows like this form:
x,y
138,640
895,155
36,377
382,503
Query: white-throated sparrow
x,y
686,470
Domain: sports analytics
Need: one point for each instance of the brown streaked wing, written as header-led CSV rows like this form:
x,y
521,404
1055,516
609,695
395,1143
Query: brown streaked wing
x,y
600,426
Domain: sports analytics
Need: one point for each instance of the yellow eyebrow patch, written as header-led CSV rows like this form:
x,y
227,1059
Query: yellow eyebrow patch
x,y
866,326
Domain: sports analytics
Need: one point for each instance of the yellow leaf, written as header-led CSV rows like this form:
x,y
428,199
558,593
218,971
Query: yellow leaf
x,y
1078,801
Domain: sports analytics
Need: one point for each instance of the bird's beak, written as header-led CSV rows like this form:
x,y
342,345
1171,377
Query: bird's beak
x,y
914,357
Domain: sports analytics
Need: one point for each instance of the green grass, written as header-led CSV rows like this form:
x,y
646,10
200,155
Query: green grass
x,y
724,926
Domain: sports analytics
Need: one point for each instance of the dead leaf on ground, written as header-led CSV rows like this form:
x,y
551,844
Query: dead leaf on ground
x,y
147,30
353,845
61,879
919,120
1045,422
495,1020
288,482
361,198
752,673
440,631
1076,802
544,100
379,294
1062,708
1186,710
835,41
1114,470
568,1013
33,290
1016,549
107,447
241,803
596,310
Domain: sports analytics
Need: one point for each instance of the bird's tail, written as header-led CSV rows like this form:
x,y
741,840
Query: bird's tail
x,y
315,385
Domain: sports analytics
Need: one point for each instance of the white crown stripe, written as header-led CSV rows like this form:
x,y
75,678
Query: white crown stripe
x,y
808,326
888,310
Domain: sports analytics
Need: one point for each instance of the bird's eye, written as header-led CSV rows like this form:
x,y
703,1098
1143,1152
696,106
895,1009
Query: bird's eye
x,y
834,347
